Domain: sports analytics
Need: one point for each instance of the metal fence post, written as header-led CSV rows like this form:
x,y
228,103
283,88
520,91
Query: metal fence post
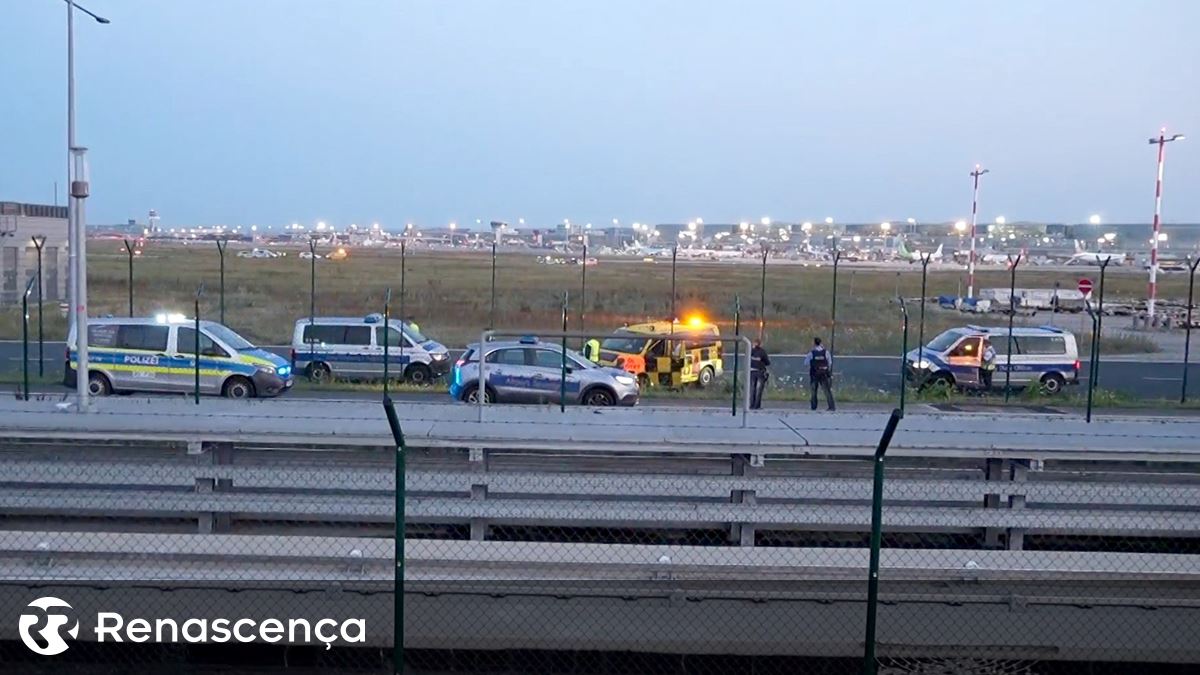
x,y
387,338
926,258
39,241
582,292
1095,378
837,256
1092,361
1187,340
737,347
762,294
562,381
674,255
403,315
129,253
25,335
492,313
312,295
221,244
903,353
1012,311
876,540
196,346
398,575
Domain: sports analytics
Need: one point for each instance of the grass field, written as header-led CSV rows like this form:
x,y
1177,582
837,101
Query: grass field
x,y
448,294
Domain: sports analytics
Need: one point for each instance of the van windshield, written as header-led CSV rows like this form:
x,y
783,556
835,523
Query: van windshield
x,y
944,341
625,345
229,337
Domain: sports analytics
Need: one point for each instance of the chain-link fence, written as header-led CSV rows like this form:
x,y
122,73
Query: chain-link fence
x,y
670,556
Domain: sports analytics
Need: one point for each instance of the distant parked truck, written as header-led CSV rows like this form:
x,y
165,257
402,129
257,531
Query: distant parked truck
x,y
353,348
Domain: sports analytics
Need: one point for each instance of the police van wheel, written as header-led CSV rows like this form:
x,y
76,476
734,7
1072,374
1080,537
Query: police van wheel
x,y
706,377
1052,384
319,373
599,397
419,373
471,395
238,388
98,385
939,381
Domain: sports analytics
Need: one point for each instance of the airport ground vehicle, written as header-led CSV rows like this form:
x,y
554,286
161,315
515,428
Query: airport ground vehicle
x,y
529,370
667,353
158,354
1045,356
352,347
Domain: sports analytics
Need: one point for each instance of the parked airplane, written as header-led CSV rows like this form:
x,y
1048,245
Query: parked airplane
x,y
1085,257
902,253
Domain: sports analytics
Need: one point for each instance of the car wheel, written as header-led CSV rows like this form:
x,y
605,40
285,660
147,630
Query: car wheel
x,y
1052,384
238,388
319,373
707,375
98,384
939,381
418,373
599,397
471,395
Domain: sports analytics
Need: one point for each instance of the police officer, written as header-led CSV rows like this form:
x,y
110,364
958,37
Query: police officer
x,y
987,365
413,325
758,374
820,373
591,350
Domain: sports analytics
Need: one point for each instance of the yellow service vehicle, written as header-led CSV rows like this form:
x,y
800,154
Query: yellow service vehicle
x,y
667,353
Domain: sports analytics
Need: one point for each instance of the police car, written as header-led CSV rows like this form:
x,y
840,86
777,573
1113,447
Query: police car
x,y
352,347
1046,356
529,370
158,354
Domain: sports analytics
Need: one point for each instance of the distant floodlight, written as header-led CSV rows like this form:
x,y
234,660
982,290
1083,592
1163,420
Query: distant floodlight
x,y
1094,219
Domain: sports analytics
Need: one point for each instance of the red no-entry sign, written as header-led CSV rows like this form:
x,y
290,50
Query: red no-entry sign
x,y
1085,286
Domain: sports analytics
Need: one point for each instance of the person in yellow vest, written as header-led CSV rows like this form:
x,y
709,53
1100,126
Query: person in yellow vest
x,y
591,350
413,325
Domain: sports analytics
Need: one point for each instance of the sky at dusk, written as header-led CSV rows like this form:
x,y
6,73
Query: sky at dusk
x,y
280,111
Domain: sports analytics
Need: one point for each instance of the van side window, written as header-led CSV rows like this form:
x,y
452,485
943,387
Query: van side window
x,y
147,338
393,337
102,335
185,343
318,333
968,347
357,335
1040,345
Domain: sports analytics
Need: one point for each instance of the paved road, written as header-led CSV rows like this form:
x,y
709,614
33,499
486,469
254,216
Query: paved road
x,y
1143,379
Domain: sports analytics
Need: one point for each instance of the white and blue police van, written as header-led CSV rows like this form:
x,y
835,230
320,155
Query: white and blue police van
x,y
1045,356
352,348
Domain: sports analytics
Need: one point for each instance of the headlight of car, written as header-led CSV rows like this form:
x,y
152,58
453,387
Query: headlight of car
x,y
625,380
438,357
283,371
922,364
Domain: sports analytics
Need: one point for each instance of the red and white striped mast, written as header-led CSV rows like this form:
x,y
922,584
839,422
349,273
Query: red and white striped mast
x,y
974,213
1161,141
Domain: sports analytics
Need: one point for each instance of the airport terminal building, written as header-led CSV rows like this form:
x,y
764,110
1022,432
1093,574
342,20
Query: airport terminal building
x,y
20,224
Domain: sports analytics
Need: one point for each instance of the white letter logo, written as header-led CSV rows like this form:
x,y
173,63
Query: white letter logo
x,y
52,633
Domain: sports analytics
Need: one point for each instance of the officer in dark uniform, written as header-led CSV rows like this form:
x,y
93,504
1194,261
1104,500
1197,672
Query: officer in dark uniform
x,y
820,373
758,374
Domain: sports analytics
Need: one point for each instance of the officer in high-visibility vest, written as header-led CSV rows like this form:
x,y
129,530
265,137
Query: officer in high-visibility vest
x,y
591,350
413,325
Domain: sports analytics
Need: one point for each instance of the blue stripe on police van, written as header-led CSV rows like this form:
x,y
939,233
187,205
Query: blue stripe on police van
x,y
335,357
97,357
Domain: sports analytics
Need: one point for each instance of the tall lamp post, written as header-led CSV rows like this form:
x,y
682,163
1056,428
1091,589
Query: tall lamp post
x,y
1161,142
1187,340
974,214
76,237
39,241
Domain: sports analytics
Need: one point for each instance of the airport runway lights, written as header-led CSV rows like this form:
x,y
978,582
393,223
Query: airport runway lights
x,y
974,215
1161,142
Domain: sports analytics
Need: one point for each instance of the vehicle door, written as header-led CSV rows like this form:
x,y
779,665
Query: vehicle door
x,y
401,350
143,363
547,367
215,362
964,361
509,376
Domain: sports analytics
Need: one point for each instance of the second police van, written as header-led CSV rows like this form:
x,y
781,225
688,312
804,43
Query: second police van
x,y
158,354
353,348
1046,356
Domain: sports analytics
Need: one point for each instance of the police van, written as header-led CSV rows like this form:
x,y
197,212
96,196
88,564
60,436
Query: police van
x,y
1045,356
352,348
158,354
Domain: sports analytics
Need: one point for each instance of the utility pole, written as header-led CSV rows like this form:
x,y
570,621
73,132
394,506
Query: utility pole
x,y
1161,141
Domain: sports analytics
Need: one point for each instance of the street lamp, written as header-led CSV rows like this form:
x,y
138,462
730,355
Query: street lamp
x,y
1000,220
886,227
765,220
1094,219
1161,141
